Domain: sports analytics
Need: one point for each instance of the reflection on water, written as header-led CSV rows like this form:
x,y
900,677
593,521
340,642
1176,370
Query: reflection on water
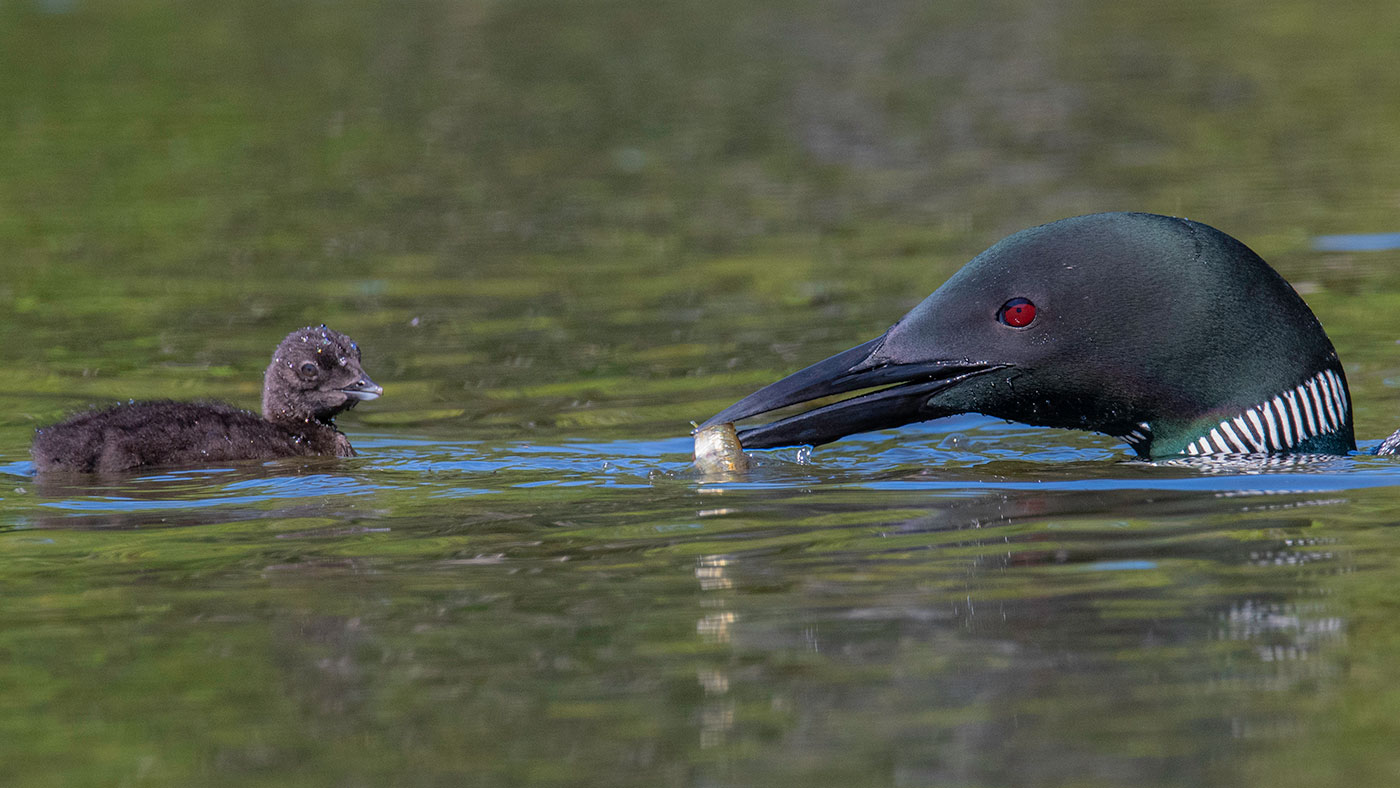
x,y
1357,242
1146,624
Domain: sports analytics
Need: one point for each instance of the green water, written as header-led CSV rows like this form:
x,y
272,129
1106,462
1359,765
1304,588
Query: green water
x,y
561,231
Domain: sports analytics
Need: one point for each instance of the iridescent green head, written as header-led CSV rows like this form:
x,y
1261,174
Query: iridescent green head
x,y
1163,331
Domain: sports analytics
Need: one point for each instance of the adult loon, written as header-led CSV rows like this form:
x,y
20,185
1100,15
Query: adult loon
x,y
315,374
1164,332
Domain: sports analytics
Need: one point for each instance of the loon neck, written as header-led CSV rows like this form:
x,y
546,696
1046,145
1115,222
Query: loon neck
x,y
1312,417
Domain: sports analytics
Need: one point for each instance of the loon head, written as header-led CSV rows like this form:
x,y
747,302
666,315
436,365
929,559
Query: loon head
x,y
315,375
1164,332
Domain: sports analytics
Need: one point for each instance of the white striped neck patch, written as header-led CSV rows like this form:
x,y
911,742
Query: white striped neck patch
x,y
1139,437
1317,406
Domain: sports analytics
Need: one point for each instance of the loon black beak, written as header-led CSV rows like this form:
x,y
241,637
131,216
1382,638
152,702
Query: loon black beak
x,y
904,398
363,389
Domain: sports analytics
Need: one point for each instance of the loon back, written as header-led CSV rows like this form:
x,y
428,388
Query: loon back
x,y
1164,332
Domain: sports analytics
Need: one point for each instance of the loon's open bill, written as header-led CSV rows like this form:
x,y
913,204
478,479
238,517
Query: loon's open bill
x,y
1164,332
907,396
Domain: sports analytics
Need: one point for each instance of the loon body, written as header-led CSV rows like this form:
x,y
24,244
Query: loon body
x,y
315,375
1390,445
1164,332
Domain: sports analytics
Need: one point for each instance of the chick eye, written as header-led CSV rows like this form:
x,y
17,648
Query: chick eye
x,y
308,369
1017,313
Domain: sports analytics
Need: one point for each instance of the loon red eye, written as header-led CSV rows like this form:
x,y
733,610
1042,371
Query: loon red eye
x,y
1017,313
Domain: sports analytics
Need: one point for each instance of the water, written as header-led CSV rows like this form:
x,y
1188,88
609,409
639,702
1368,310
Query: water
x,y
563,231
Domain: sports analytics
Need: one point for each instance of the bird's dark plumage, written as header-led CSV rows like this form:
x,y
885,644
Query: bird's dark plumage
x,y
1164,332
315,374
1390,445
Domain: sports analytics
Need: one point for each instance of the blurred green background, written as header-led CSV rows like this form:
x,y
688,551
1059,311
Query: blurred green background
x,y
507,195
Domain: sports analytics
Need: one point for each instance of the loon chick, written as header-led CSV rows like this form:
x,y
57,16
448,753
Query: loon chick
x,y
1164,332
315,374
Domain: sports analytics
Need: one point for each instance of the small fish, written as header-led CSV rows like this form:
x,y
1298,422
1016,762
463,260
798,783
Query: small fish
x,y
717,450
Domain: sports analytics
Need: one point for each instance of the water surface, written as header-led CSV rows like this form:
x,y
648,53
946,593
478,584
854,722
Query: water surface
x,y
563,231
